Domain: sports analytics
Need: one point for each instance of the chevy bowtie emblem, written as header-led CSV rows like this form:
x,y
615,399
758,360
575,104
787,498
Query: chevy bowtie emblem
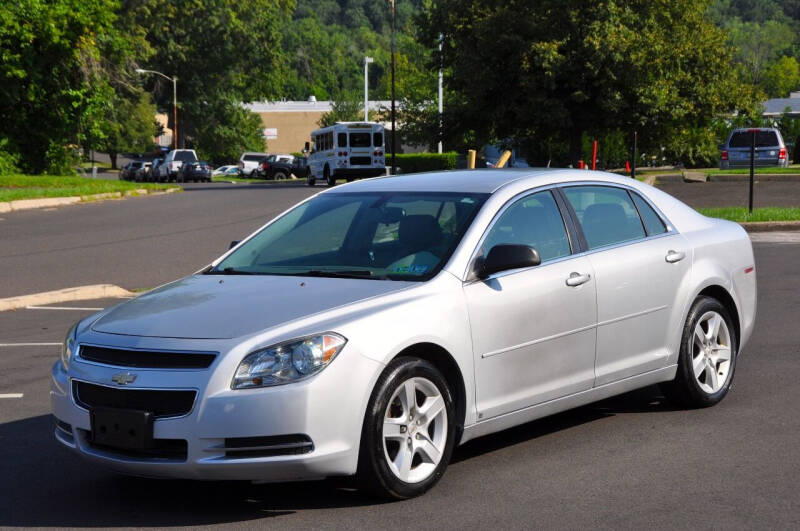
x,y
123,378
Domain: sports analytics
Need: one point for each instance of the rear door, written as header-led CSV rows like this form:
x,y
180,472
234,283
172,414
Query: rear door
x,y
638,263
532,329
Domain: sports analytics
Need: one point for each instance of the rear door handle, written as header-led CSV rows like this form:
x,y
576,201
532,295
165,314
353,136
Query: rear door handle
x,y
674,256
576,279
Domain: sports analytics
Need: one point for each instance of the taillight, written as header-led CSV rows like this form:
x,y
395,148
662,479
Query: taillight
x,y
724,155
342,153
378,153
782,153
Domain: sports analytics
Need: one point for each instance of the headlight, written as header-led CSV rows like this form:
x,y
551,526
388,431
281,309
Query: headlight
x,y
287,362
69,345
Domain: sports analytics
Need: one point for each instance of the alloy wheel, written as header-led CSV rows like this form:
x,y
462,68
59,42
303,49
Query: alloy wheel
x,y
415,430
711,352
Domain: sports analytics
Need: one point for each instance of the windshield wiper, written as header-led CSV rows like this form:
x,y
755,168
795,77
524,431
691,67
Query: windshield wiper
x,y
229,271
354,273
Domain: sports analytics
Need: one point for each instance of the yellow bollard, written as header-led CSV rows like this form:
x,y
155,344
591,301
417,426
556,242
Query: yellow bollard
x,y
471,159
501,163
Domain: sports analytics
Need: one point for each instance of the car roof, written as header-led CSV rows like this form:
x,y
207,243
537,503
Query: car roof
x,y
475,181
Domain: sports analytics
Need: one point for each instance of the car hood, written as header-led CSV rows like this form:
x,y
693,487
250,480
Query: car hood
x,y
224,307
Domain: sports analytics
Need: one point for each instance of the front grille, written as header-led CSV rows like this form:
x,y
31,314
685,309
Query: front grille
x,y
146,359
167,449
241,447
360,161
160,403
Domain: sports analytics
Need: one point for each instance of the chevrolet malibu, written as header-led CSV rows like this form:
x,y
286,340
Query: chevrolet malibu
x,y
372,328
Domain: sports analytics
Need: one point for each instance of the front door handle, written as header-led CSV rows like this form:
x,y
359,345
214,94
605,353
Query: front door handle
x,y
576,279
674,256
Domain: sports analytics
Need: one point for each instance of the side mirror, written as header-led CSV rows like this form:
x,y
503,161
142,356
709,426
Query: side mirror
x,y
307,147
233,244
505,257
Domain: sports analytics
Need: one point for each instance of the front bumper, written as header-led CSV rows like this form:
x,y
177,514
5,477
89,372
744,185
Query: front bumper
x,y
328,409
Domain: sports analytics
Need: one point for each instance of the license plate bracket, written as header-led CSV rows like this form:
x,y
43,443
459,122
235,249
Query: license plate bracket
x,y
122,428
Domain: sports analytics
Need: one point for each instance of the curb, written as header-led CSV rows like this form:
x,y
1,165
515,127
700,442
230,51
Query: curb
x,y
738,177
80,293
49,202
771,226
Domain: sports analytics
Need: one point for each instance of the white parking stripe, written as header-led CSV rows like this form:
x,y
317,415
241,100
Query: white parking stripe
x,y
12,395
61,308
30,344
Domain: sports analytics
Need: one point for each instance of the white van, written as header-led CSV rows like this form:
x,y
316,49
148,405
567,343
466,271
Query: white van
x,y
168,170
248,162
347,150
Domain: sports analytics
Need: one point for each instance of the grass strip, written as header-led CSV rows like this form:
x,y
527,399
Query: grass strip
x,y
741,215
791,170
15,187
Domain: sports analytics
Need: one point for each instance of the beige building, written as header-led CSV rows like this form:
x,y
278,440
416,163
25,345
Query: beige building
x,y
288,124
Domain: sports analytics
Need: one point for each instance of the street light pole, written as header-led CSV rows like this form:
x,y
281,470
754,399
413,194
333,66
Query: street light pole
x,y
367,61
394,137
174,102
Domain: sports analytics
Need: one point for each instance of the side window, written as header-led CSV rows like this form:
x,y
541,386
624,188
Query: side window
x,y
652,223
341,139
377,139
534,221
607,214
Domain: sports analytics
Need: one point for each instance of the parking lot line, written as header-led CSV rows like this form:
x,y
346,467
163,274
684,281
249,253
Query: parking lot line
x,y
61,308
11,395
30,344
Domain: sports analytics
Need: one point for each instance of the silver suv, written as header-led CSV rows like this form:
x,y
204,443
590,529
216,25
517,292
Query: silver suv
x,y
770,149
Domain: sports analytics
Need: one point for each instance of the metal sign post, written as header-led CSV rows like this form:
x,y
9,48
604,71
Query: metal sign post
x,y
752,165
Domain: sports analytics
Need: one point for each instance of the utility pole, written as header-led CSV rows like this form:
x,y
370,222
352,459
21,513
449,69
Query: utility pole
x,y
394,123
367,61
441,99
633,162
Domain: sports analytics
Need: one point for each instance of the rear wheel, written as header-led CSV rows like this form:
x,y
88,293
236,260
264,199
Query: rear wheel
x,y
279,176
326,174
310,180
409,430
707,358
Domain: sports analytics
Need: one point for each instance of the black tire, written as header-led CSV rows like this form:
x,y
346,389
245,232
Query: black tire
x,y
328,176
310,180
685,390
279,176
374,474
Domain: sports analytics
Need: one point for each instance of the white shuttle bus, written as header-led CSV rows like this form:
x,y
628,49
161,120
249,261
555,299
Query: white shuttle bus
x,y
347,150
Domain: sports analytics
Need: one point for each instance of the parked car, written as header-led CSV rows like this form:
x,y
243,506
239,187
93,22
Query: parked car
x,y
770,149
282,167
140,175
168,170
195,171
227,170
249,162
152,173
375,326
129,170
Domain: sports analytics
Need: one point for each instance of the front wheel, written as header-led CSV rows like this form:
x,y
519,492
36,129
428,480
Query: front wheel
x,y
707,358
409,430
310,180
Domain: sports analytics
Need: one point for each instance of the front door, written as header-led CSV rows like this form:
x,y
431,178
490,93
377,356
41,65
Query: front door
x,y
533,330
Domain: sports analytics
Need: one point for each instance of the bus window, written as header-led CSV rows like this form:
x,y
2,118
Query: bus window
x,y
377,139
359,139
341,140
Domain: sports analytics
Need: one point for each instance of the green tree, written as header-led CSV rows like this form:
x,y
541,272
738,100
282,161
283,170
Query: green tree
x,y
782,77
128,127
346,108
568,67
216,48
51,70
227,130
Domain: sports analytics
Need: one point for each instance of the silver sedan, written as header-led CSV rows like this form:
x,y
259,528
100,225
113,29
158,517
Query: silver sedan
x,y
373,327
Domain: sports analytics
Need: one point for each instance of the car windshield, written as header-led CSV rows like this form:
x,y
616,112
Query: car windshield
x,y
741,139
386,236
185,156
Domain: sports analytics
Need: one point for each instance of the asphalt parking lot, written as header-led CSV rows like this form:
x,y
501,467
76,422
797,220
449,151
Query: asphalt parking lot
x,y
628,462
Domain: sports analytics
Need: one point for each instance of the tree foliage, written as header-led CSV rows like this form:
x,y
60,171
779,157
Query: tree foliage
x,y
576,66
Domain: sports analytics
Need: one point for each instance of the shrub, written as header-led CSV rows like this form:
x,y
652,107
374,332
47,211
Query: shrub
x,y
416,162
8,159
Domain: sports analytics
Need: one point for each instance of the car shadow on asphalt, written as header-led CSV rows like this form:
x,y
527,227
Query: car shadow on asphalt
x,y
645,400
44,484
